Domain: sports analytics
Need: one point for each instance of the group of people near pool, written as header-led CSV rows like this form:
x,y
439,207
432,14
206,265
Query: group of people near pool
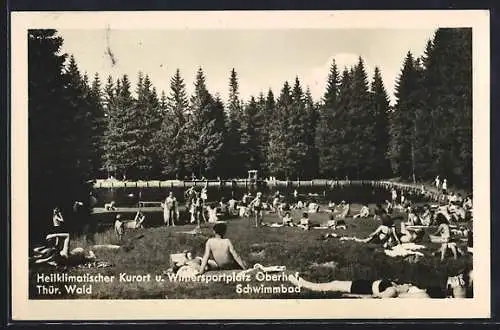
x,y
220,254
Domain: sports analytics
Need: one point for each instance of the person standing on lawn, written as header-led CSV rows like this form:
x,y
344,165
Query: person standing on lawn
x,y
256,204
169,209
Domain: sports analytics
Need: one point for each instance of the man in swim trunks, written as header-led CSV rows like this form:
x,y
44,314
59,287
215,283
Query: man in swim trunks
x,y
169,210
256,204
382,288
222,252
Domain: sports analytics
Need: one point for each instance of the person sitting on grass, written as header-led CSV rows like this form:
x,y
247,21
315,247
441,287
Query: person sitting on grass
x,y
212,213
287,219
283,208
363,213
334,223
385,234
408,235
304,222
426,217
413,218
224,256
313,207
443,236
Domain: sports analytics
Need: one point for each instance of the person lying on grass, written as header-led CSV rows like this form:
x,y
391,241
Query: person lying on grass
x,y
459,286
224,256
53,254
382,288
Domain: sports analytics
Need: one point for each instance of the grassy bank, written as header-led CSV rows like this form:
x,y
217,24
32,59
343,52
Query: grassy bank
x,y
296,249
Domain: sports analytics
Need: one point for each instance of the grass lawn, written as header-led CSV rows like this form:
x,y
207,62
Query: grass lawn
x,y
296,249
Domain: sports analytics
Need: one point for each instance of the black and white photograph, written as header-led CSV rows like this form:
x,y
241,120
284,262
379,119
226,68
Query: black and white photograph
x,y
250,165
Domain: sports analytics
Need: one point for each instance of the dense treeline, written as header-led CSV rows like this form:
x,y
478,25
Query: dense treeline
x,y
82,129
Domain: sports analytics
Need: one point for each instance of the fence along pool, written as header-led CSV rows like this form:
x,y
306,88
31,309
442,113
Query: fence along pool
x,y
129,194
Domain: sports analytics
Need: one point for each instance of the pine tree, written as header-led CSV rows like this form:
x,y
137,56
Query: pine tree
x,y
122,147
311,168
449,75
205,130
172,135
340,155
250,135
381,107
361,125
296,134
401,151
422,133
47,119
80,128
98,126
269,114
233,145
57,130
278,154
327,133
163,102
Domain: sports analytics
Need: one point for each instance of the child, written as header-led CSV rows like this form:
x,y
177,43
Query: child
x,y
212,213
304,221
221,250
223,208
287,219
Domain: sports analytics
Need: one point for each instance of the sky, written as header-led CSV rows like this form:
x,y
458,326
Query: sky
x,y
262,59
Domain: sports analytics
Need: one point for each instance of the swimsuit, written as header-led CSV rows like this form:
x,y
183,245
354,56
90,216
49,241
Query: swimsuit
x,y
368,287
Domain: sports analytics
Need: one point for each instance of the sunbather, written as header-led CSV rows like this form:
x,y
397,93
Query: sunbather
x,y
287,219
382,288
363,213
304,222
443,236
221,250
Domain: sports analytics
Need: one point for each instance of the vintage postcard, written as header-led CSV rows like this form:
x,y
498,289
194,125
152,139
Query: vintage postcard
x,y
250,165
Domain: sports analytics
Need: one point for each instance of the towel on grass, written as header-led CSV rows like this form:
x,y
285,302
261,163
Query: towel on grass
x,y
106,246
403,251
